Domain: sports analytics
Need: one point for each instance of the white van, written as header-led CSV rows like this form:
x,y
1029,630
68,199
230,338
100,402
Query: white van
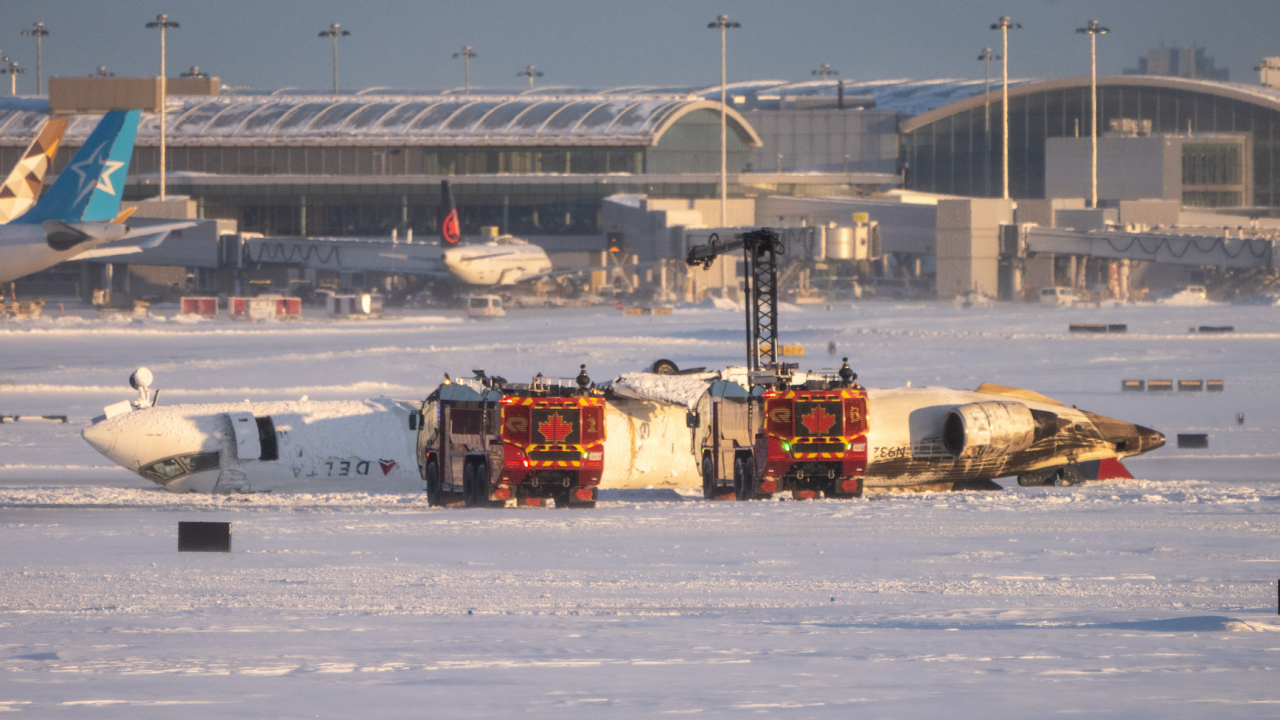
x,y
1058,296
485,306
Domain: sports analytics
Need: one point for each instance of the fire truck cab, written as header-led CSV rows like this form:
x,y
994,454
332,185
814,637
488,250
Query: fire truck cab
x,y
814,440
513,444
730,419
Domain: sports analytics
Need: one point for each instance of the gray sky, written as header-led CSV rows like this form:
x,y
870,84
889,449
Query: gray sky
x,y
268,44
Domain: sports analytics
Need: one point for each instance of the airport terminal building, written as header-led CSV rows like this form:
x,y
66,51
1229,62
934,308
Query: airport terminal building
x,y
539,164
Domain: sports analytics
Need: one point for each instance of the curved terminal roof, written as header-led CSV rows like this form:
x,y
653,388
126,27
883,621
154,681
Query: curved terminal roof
x,y
634,115
473,120
1254,94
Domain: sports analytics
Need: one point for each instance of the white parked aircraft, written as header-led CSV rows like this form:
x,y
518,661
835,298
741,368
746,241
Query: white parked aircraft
x,y
505,260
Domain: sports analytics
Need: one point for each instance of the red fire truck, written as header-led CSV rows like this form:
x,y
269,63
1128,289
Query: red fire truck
x,y
814,440
513,443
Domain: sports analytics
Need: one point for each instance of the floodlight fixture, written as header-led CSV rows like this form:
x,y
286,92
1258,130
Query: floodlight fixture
x,y
13,70
1004,25
335,31
723,24
530,72
162,23
37,31
1093,30
466,54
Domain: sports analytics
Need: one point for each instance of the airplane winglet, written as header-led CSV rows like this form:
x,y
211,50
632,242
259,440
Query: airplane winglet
x,y
125,214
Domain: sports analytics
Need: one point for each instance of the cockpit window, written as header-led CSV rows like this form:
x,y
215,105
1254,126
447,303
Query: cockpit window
x,y
163,472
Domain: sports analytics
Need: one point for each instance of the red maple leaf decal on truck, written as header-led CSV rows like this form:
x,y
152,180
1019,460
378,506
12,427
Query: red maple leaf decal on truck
x,y
818,421
555,428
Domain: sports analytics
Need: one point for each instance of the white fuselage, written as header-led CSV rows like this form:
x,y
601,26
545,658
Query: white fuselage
x,y
334,446
370,445
504,261
24,249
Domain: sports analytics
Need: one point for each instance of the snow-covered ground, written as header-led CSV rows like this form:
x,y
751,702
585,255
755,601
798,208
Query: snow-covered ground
x,y
1147,598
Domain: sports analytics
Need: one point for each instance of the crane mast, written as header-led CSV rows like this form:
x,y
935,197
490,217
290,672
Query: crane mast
x,y
760,251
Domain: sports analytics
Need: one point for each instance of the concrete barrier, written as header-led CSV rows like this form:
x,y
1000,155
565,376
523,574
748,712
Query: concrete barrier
x,y
204,537
1193,440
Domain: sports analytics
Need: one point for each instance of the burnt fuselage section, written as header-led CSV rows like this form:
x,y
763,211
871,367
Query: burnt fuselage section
x,y
922,436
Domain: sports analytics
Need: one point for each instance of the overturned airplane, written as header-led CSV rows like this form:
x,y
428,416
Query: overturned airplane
x,y
814,435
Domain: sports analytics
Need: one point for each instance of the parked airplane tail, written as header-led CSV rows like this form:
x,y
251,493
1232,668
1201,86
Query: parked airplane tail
x,y
90,186
21,191
449,230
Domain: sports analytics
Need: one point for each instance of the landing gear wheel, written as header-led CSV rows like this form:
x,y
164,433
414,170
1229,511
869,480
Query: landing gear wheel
x,y
664,367
708,478
433,484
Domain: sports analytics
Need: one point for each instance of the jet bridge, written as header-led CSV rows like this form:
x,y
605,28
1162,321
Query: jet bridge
x,y
1221,251
342,254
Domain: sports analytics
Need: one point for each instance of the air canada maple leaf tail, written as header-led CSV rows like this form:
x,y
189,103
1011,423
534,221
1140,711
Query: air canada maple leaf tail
x,y
21,190
449,230
89,188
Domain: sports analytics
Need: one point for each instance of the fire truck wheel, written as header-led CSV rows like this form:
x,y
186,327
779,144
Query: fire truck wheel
x,y
744,478
562,498
708,478
470,491
433,484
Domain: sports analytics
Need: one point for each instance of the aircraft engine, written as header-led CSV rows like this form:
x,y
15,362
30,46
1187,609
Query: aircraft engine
x,y
987,428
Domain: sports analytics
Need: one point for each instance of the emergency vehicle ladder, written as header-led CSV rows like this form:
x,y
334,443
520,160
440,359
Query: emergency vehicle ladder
x,y
760,251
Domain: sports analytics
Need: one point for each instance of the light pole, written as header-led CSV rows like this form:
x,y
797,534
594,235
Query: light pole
x,y
1003,26
530,72
466,55
986,57
824,71
12,68
163,23
722,23
335,31
1093,29
38,32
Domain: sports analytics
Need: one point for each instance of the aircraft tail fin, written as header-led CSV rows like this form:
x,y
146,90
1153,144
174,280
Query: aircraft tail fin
x,y
22,189
1113,469
91,185
449,229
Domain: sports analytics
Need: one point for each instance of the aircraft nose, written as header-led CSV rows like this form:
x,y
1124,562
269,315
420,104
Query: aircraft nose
x,y
1149,439
100,437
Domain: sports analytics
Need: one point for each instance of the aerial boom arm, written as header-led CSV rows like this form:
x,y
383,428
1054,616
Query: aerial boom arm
x,y
760,250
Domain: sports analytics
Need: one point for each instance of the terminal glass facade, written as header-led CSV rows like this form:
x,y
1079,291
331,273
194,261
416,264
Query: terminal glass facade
x,y
955,155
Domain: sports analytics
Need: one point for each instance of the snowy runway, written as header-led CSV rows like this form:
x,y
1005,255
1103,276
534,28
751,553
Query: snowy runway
x,y
1138,598
1147,598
